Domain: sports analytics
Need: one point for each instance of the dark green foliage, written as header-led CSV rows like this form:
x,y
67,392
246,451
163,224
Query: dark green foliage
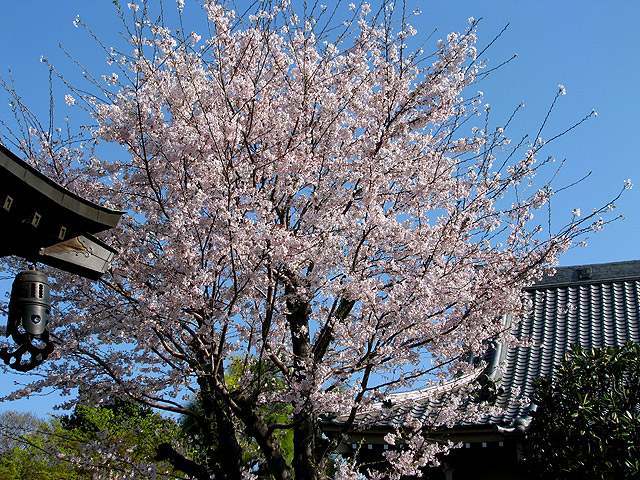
x,y
587,424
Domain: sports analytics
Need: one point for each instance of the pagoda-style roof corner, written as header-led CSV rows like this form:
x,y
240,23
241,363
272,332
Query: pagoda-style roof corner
x,y
591,306
44,222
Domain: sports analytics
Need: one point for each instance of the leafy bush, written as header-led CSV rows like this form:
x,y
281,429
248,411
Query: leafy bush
x,y
587,424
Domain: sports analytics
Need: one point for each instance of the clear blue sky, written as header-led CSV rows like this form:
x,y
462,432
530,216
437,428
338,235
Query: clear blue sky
x,y
588,46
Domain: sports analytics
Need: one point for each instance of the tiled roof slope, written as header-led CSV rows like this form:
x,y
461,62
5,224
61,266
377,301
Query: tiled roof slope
x,y
592,306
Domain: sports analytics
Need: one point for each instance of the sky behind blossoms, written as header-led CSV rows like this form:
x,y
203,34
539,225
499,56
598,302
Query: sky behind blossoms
x,y
587,46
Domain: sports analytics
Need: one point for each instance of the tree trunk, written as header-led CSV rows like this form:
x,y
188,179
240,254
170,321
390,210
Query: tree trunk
x,y
304,432
219,439
304,464
228,453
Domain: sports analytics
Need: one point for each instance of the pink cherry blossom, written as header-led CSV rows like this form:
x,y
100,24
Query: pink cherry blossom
x,y
313,209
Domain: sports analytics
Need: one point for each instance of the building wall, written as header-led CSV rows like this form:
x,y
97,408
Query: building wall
x,y
485,461
492,460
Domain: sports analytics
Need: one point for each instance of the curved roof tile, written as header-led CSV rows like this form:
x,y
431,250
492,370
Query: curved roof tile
x,y
592,306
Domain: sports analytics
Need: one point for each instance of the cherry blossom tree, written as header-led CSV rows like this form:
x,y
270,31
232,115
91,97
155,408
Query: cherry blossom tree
x,y
307,199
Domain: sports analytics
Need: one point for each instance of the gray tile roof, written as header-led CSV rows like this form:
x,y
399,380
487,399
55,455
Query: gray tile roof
x,y
592,306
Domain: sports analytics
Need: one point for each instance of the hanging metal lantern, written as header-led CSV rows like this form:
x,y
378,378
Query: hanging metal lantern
x,y
28,323
43,222
30,305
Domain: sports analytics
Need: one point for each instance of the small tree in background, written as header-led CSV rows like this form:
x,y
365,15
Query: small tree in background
x,y
305,193
13,425
119,439
587,422
23,450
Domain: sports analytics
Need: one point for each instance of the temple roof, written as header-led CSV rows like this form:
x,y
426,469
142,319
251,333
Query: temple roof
x,y
592,306
46,223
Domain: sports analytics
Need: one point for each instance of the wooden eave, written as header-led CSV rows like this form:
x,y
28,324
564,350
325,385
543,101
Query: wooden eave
x,y
37,213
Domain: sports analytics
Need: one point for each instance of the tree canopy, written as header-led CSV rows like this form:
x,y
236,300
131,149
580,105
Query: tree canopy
x,y
305,194
118,439
23,455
